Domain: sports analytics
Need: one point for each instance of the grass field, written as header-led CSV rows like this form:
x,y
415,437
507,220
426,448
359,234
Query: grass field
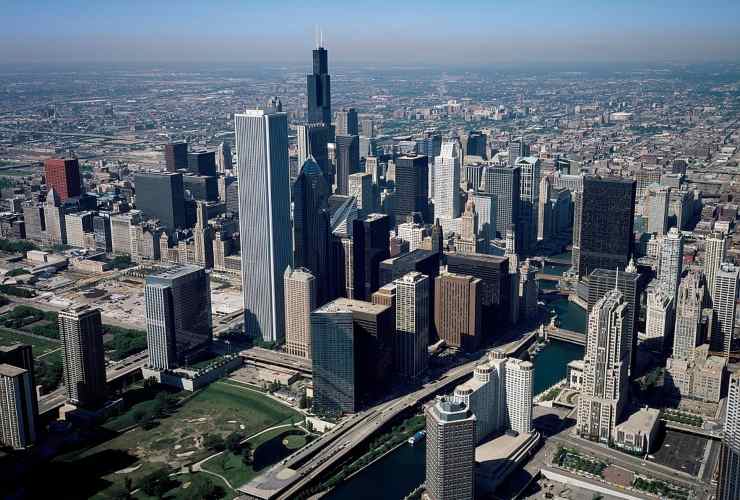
x,y
39,346
175,442
267,450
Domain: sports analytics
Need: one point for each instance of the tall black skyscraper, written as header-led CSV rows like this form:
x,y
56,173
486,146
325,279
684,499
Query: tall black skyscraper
x,y
176,156
504,183
602,229
161,195
318,89
312,236
412,187
348,160
370,248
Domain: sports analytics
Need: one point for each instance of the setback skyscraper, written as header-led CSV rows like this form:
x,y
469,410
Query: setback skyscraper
x,y
318,88
264,218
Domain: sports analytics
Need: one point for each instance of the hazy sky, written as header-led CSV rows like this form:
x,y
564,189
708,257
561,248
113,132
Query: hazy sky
x,y
399,32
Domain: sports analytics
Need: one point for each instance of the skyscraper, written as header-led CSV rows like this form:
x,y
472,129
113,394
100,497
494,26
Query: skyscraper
x,y
311,234
715,250
519,383
346,122
517,148
223,158
313,141
176,156
17,407
370,247
348,160
658,210
450,453
457,310
178,316
529,198
300,300
333,357
659,320
604,388
318,88
411,187
604,218
361,187
725,296
671,261
412,324
264,217
447,167
504,183
83,355
202,162
161,196
729,476
63,176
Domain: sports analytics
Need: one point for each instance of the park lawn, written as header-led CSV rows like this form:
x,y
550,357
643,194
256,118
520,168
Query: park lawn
x,y
39,346
233,468
179,492
177,440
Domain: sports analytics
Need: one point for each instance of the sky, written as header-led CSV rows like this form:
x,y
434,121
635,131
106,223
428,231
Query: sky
x,y
400,32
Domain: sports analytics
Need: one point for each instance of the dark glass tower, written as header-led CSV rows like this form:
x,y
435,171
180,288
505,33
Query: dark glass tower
x,y
311,227
318,89
602,229
412,187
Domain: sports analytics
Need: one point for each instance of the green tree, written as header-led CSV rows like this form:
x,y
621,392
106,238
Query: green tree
x,y
202,488
214,442
157,483
233,442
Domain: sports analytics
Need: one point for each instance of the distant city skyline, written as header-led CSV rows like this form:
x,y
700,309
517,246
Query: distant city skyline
x,y
407,33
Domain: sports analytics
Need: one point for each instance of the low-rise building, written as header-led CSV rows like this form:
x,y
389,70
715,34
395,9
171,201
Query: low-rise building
x,y
637,434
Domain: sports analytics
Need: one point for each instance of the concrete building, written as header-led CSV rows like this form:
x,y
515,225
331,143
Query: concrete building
x,y
724,302
56,228
83,355
729,476
657,206
504,183
77,224
361,187
300,300
528,291
178,316
33,216
604,390
688,331
120,225
17,407
264,218
638,434
412,324
447,167
715,251
457,310
659,320
413,232
671,261
450,453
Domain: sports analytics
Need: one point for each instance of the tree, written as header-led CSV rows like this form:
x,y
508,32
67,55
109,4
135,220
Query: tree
x,y
157,483
302,401
214,442
233,442
247,457
202,488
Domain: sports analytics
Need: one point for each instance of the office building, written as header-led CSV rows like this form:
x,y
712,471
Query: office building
x,y
313,142
689,304
715,251
602,229
370,238
413,232
121,225
601,283
201,187
529,197
77,224
671,261
412,325
528,291
178,316
17,407
63,176
318,89
485,207
161,196
504,183
659,320
56,227
457,310
346,122
361,187
176,156
496,296
725,298
202,163
475,144
450,452
83,355
300,300
517,148
729,475
102,231
411,187
347,161
223,158
447,166
264,218
657,206
311,227
604,388
33,217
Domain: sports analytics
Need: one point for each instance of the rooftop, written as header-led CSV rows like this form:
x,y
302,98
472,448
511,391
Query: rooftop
x,y
10,370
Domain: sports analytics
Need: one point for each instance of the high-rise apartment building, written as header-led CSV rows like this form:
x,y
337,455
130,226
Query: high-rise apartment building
x,y
63,176
729,476
602,229
318,88
17,407
671,261
83,355
176,156
412,324
447,166
264,217
505,184
457,310
178,316
725,297
604,388
300,300
450,452
715,251
519,380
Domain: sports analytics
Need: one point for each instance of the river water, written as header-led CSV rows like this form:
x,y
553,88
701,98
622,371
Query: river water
x,y
398,473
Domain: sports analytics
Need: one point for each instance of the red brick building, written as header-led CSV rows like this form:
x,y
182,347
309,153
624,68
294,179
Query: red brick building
x,y
63,175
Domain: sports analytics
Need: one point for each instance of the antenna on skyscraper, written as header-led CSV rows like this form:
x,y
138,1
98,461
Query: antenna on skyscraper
x,y
316,36
322,38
